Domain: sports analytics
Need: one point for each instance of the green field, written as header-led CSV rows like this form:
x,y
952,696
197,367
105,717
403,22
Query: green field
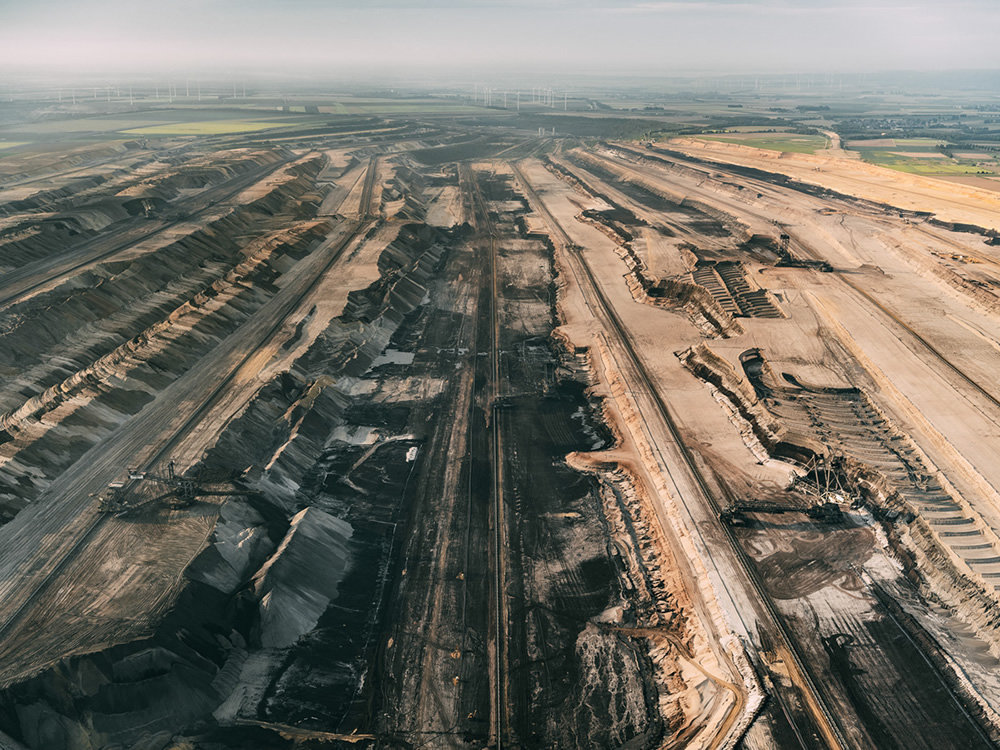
x,y
208,127
902,163
788,142
906,155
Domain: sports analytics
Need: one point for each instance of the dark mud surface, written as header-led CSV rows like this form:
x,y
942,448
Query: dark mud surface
x,y
320,682
571,685
569,578
889,693
384,436
810,558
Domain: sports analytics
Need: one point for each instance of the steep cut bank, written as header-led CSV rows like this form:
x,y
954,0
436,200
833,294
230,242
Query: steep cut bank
x,y
55,222
678,291
923,521
274,567
80,360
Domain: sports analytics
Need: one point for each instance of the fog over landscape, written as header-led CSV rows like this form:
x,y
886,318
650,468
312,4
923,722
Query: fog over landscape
x,y
591,36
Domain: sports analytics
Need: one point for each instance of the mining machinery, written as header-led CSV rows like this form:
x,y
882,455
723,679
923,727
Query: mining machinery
x,y
142,489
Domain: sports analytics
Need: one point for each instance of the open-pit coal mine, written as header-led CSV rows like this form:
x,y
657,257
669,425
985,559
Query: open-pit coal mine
x,y
441,429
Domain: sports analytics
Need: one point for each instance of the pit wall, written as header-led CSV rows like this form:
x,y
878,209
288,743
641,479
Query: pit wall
x,y
403,195
297,411
143,321
713,369
57,220
228,613
977,292
77,159
664,610
915,545
704,311
737,229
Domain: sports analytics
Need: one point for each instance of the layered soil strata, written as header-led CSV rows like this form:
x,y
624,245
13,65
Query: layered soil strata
x,y
584,450
290,614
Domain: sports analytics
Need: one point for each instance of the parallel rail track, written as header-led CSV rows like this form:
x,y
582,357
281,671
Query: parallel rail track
x,y
500,719
100,520
924,342
934,351
892,316
834,734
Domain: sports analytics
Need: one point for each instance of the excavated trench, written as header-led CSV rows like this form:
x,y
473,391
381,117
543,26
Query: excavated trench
x,y
586,686
13,171
55,222
728,282
283,618
300,609
714,294
141,323
679,160
687,219
231,642
733,291
870,654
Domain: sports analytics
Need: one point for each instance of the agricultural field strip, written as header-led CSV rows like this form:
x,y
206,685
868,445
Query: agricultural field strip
x,y
791,143
208,127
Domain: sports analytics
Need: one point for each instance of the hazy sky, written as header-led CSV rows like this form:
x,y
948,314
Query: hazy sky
x,y
344,37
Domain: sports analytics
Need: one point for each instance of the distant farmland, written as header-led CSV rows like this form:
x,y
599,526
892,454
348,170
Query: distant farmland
x,y
789,142
210,127
922,156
